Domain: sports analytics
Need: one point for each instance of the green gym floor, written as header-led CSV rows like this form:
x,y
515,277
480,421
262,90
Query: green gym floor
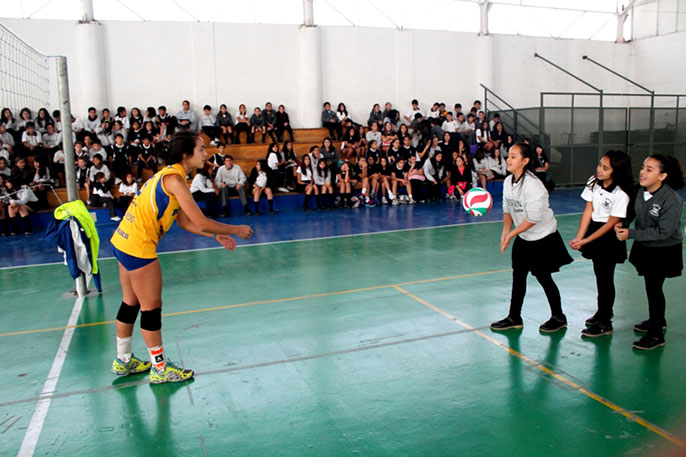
x,y
369,345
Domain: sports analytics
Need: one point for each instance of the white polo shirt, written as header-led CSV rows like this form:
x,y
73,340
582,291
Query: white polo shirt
x,y
606,202
527,200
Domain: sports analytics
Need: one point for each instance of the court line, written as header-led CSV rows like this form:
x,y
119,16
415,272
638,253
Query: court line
x,y
265,243
564,380
266,302
28,445
233,369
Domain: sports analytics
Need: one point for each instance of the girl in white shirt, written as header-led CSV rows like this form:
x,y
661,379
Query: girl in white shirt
x,y
496,163
127,190
607,199
538,247
305,177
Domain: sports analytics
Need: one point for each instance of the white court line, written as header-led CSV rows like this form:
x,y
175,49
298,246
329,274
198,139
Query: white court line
x,y
28,446
292,241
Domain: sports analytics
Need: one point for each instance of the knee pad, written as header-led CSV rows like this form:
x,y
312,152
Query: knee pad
x,y
128,314
151,320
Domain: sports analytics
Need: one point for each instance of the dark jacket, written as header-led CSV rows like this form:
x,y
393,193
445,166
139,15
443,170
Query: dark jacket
x,y
658,220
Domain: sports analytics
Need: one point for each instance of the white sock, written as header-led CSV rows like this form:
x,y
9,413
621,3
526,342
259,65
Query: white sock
x,y
157,358
364,191
124,349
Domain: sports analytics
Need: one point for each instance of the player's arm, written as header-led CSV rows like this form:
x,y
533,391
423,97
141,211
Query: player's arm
x,y
179,189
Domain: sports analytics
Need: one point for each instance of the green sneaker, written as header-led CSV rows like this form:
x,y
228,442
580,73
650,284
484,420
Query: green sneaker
x,y
171,373
134,366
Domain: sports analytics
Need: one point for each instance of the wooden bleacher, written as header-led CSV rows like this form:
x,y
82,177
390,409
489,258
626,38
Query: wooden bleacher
x,y
244,155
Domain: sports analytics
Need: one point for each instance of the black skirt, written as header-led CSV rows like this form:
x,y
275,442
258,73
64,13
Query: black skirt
x,y
546,255
664,261
607,247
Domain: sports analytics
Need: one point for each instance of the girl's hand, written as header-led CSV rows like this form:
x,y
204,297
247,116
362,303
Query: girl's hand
x,y
243,231
504,242
226,241
622,233
576,243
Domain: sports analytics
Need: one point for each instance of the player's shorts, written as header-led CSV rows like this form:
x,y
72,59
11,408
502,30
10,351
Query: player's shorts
x,y
130,262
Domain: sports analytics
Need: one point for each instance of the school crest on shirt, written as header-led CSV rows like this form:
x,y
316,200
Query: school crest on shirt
x,y
655,210
607,204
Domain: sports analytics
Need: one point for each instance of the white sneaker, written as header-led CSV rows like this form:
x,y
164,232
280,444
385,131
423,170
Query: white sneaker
x,y
282,189
396,202
213,143
384,201
117,181
115,218
411,201
403,199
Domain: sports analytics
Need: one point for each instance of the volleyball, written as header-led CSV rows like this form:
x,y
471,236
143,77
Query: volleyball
x,y
477,201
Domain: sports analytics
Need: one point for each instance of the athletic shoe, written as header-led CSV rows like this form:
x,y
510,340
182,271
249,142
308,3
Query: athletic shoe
x,y
648,343
213,143
411,201
553,324
371,202
507,323
282,189
384,201
597,330
115,218
403,199
356,203
395,202
134,366
171,373
642,327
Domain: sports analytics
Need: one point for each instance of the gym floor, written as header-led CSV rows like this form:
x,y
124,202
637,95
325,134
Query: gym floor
x,y
359,332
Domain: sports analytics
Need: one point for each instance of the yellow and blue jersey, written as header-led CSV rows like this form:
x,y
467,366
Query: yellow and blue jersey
x,y
149,216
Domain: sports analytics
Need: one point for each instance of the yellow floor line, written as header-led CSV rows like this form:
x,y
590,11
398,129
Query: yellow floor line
x,y
276,300
624,412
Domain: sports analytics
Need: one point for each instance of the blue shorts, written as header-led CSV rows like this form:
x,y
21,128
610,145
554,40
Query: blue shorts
x,y
130,262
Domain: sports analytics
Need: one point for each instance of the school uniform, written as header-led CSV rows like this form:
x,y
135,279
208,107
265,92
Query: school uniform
x,y
539,250
102,197
283,124
124,200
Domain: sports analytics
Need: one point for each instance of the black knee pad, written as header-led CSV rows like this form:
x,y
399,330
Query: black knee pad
x,y
151,320
128,314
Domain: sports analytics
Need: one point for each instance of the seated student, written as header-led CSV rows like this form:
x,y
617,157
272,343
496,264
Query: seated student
x,y
42,182
407,150
7,119
146,158
349,144
483,137
161,140
97,167
375,117
97,148
51,141
259,179
498,135
431,148
468,130
399,180
16,202
242,125
494,121
415,179
387,136
322,181
360,173
128,189
6,139
411,114
136,116
394,152
135,134
5,167
434,112
290,165
385,176
202,190
391,115
164,116
216,161
374,133
305,183
225,124
343,117
257,125
230,180
149,129
24,118
373,151
31,140
92,122
460,177
101,196
81,172
283,124
269,116
118,129
208,125
330,155
497,164
451,125
481,167
4,201
315,156
436,176
346,182
331,122
121,160
186,118
276,162
150,115
374,175
122,117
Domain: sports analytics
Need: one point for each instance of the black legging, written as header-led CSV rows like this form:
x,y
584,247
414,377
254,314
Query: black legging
x,y
605,282
519,291
656,304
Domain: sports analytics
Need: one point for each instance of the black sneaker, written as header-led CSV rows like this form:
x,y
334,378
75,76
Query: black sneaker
x,y
507,323
597,330
642,327
648,343
554,324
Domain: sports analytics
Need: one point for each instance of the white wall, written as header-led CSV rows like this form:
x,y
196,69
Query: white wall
x,y
659,64
153,63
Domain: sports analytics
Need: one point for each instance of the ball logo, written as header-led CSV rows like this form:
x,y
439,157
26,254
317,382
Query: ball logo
x,y
477,202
